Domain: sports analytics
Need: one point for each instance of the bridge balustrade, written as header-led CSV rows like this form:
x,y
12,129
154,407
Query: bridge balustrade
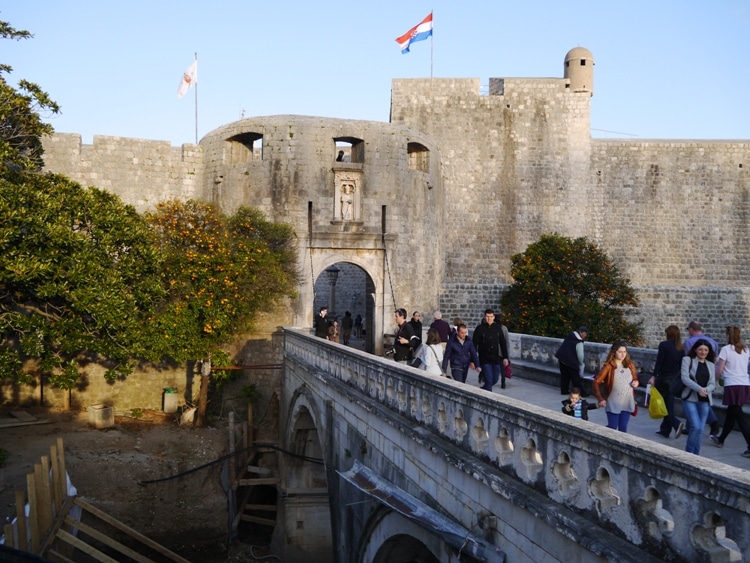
x,y
661,502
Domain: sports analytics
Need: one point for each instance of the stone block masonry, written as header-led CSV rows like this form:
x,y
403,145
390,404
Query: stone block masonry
x,y
461,181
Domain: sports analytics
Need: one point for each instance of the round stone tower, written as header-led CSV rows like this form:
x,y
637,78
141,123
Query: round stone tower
x,y
579,68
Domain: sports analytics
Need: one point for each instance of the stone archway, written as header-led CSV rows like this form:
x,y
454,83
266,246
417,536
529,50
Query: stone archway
x,y
347,287
303,532
392,538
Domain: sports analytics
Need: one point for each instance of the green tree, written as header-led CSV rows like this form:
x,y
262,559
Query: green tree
x,y
219,273
78,276
561,283
21,113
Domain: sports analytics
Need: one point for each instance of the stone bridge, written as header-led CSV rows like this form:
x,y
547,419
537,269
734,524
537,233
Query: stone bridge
x,y
398,466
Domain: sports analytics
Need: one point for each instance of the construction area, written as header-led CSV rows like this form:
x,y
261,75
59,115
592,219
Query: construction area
x,y
138,488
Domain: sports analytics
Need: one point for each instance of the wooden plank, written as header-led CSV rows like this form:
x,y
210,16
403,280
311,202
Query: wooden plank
x,y
33,541
245,496
59,557
23,416
8,531
63,477
23,541
257,520
56,492
46,497
259,481
267,507
106,540
120,526
83,546
258,470
15,424
56,525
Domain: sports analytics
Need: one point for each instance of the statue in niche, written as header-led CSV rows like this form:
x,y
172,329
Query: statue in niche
x,y
347,199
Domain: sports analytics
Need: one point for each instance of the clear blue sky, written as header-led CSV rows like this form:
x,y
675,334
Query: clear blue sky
x,y
674,69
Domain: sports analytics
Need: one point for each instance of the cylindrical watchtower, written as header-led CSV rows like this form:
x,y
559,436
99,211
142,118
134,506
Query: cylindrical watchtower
x,y
579,68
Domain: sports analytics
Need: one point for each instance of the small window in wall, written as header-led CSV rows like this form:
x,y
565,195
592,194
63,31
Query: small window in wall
x,y
244,147
583,62
419,157
349,149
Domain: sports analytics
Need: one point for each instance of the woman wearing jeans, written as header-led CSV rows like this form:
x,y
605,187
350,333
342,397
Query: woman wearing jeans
x,y
613,386
699,376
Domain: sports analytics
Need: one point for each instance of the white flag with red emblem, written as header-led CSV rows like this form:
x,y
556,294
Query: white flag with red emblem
x,y
189,78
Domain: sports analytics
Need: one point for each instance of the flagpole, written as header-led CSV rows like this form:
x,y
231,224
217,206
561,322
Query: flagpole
x,y
196,105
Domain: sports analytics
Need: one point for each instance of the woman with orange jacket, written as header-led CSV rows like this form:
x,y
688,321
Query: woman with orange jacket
x,y
613,387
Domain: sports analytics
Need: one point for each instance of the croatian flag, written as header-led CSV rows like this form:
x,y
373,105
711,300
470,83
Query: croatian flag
x,y
419,32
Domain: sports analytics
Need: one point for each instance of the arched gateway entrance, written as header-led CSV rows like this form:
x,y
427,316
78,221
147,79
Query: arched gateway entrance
x,y
346,288
349,281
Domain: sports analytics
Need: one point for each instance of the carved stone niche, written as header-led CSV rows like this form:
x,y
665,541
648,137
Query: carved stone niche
x,y
347,196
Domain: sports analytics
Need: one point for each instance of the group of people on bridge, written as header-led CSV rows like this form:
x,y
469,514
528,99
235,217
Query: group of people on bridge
x,y
689,370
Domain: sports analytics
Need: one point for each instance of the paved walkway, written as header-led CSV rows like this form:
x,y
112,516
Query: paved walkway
x,y
642,425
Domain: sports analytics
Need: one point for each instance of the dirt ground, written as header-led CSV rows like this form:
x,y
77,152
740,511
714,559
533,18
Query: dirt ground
x,y
187,514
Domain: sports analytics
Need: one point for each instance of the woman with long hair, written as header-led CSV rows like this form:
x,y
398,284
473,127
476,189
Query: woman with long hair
x,y
433,356
698,373
667,369
732,366
613,386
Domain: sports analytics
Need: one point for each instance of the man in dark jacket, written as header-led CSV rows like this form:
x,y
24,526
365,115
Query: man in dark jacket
x,y
416,325
321,324
570,357
492,349
406,340
442,327
460,354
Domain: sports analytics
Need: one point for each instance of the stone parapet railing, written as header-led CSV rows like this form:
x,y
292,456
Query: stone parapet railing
x,y
663,504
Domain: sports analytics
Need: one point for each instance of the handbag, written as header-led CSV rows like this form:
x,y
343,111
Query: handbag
x,y
676,386
508,372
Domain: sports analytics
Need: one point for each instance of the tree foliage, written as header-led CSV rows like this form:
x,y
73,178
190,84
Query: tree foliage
x,y
219,273
78,277
21,113
561,283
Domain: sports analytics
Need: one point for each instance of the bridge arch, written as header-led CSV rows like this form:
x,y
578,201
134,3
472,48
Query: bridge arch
x,y
392,537
304,517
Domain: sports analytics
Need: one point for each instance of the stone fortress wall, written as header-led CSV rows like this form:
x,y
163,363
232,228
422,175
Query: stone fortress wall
x,y
463,181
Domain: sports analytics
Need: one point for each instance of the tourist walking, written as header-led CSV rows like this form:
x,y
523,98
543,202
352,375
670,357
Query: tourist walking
x,y
321,324
442,327
614,387
695,333
346,327
358,326
732,366
433,355
699,376
460,354
492,348
405,340
334,331
416,325
666,372
570,358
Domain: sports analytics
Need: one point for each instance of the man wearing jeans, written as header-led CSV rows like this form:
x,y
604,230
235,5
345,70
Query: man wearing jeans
x,y
492,349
